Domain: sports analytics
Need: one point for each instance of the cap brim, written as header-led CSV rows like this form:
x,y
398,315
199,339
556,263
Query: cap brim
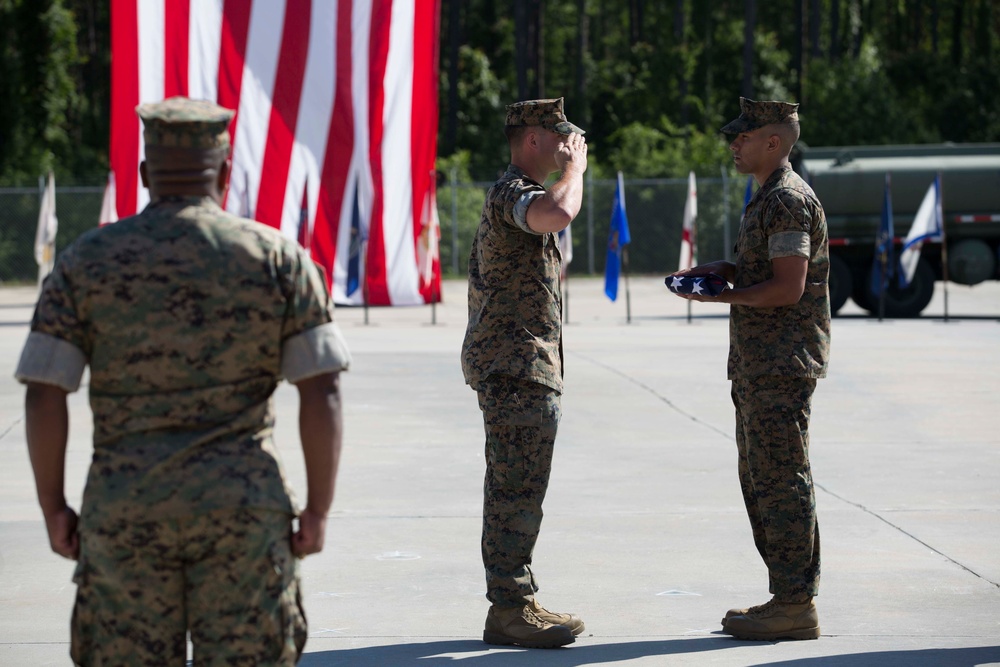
x,y
739,126
565,127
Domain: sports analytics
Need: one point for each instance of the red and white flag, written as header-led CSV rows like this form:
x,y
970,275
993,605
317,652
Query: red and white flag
x,y
689,248
332,97
429,249
109,209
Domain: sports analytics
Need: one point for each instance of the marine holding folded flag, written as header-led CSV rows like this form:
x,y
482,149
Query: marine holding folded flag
x,y
512,356
188,318
779,346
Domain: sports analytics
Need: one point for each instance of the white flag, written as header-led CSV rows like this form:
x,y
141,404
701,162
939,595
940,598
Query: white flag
x,y
109,212
689,250
927,226
45,236
566,247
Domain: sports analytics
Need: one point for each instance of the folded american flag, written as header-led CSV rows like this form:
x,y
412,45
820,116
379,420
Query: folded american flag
x,y
710,285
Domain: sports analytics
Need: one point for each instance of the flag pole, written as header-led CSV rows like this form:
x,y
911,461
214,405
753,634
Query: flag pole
x,y
628,295
944,243
566,296
364,278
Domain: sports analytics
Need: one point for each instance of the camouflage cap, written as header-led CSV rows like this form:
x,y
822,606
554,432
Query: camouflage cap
x,y
546,113
180,122
755,114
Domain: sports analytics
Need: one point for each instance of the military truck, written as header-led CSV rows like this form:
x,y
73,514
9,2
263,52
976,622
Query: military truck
x,y
850,182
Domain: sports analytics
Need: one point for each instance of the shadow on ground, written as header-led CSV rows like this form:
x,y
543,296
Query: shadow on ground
x,y
477,654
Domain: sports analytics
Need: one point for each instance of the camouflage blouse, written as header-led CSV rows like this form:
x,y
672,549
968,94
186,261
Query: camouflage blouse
x,y
783,219
187,317
515,297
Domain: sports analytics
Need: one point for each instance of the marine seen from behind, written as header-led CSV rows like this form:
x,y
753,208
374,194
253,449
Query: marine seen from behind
x,y
188,318
779,345
512,356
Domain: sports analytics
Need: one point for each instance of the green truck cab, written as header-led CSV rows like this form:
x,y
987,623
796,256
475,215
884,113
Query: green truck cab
x,y
850,183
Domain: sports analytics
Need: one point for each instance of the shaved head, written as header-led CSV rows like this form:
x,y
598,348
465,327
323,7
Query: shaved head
x,y
788,133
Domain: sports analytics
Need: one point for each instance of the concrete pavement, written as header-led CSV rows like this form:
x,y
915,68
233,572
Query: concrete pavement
x,y
645,534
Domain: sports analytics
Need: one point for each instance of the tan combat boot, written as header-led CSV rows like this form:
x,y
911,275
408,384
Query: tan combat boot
x,y
522,626
739,611
571,621
776,620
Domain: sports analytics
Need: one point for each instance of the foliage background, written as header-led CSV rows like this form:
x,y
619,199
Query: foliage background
x,y
650,80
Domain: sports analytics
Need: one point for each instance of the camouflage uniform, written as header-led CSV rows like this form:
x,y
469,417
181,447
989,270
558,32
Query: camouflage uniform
x,y
775,357
512,356
188,318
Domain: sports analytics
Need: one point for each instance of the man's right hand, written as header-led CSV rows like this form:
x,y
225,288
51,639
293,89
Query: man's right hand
x,y
572,151
721,268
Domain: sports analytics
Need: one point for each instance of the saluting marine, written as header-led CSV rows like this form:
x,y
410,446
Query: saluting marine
x,y
512,357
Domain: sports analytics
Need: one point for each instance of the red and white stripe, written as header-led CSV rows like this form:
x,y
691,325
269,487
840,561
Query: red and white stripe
x,y
331,96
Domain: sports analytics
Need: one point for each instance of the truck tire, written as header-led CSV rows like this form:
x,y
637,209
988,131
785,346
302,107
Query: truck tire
x,y
840,283
908,302
860,292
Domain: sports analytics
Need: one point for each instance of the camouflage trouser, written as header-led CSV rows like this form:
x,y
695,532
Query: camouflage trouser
x,y
772,436
227,576
521,419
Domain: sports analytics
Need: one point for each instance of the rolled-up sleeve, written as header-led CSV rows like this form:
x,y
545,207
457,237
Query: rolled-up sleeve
x,y
313,352
520,211
50,360
788,244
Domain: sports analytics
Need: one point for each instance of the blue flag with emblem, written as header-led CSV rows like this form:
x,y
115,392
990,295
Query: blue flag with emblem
x,y
618,238
357,243
883,264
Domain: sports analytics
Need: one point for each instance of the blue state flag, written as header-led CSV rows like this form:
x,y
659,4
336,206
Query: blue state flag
x,y
357,241
618,237
883,264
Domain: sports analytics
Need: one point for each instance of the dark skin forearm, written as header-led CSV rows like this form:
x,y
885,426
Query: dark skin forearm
x,y
320,429
47,426
784,288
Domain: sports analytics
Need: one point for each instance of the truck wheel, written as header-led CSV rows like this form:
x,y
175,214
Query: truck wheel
x,y
860,291
907,302
840,283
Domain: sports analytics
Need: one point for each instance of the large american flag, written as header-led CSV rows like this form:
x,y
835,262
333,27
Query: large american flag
x,y
335,135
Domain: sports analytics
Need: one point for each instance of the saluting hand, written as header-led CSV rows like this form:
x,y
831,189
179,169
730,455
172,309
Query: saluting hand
x,y
572,151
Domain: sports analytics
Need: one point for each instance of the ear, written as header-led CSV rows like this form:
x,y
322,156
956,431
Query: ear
x,y
531,139
142,174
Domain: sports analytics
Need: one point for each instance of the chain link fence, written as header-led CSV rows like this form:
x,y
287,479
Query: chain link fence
x,y
77,209
655,210
655,213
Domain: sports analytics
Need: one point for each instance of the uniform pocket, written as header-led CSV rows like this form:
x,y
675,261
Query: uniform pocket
x,y
293,628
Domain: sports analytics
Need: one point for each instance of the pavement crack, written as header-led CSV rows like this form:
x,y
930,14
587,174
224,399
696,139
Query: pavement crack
x,y
673,406
728,436
907,533
7,430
